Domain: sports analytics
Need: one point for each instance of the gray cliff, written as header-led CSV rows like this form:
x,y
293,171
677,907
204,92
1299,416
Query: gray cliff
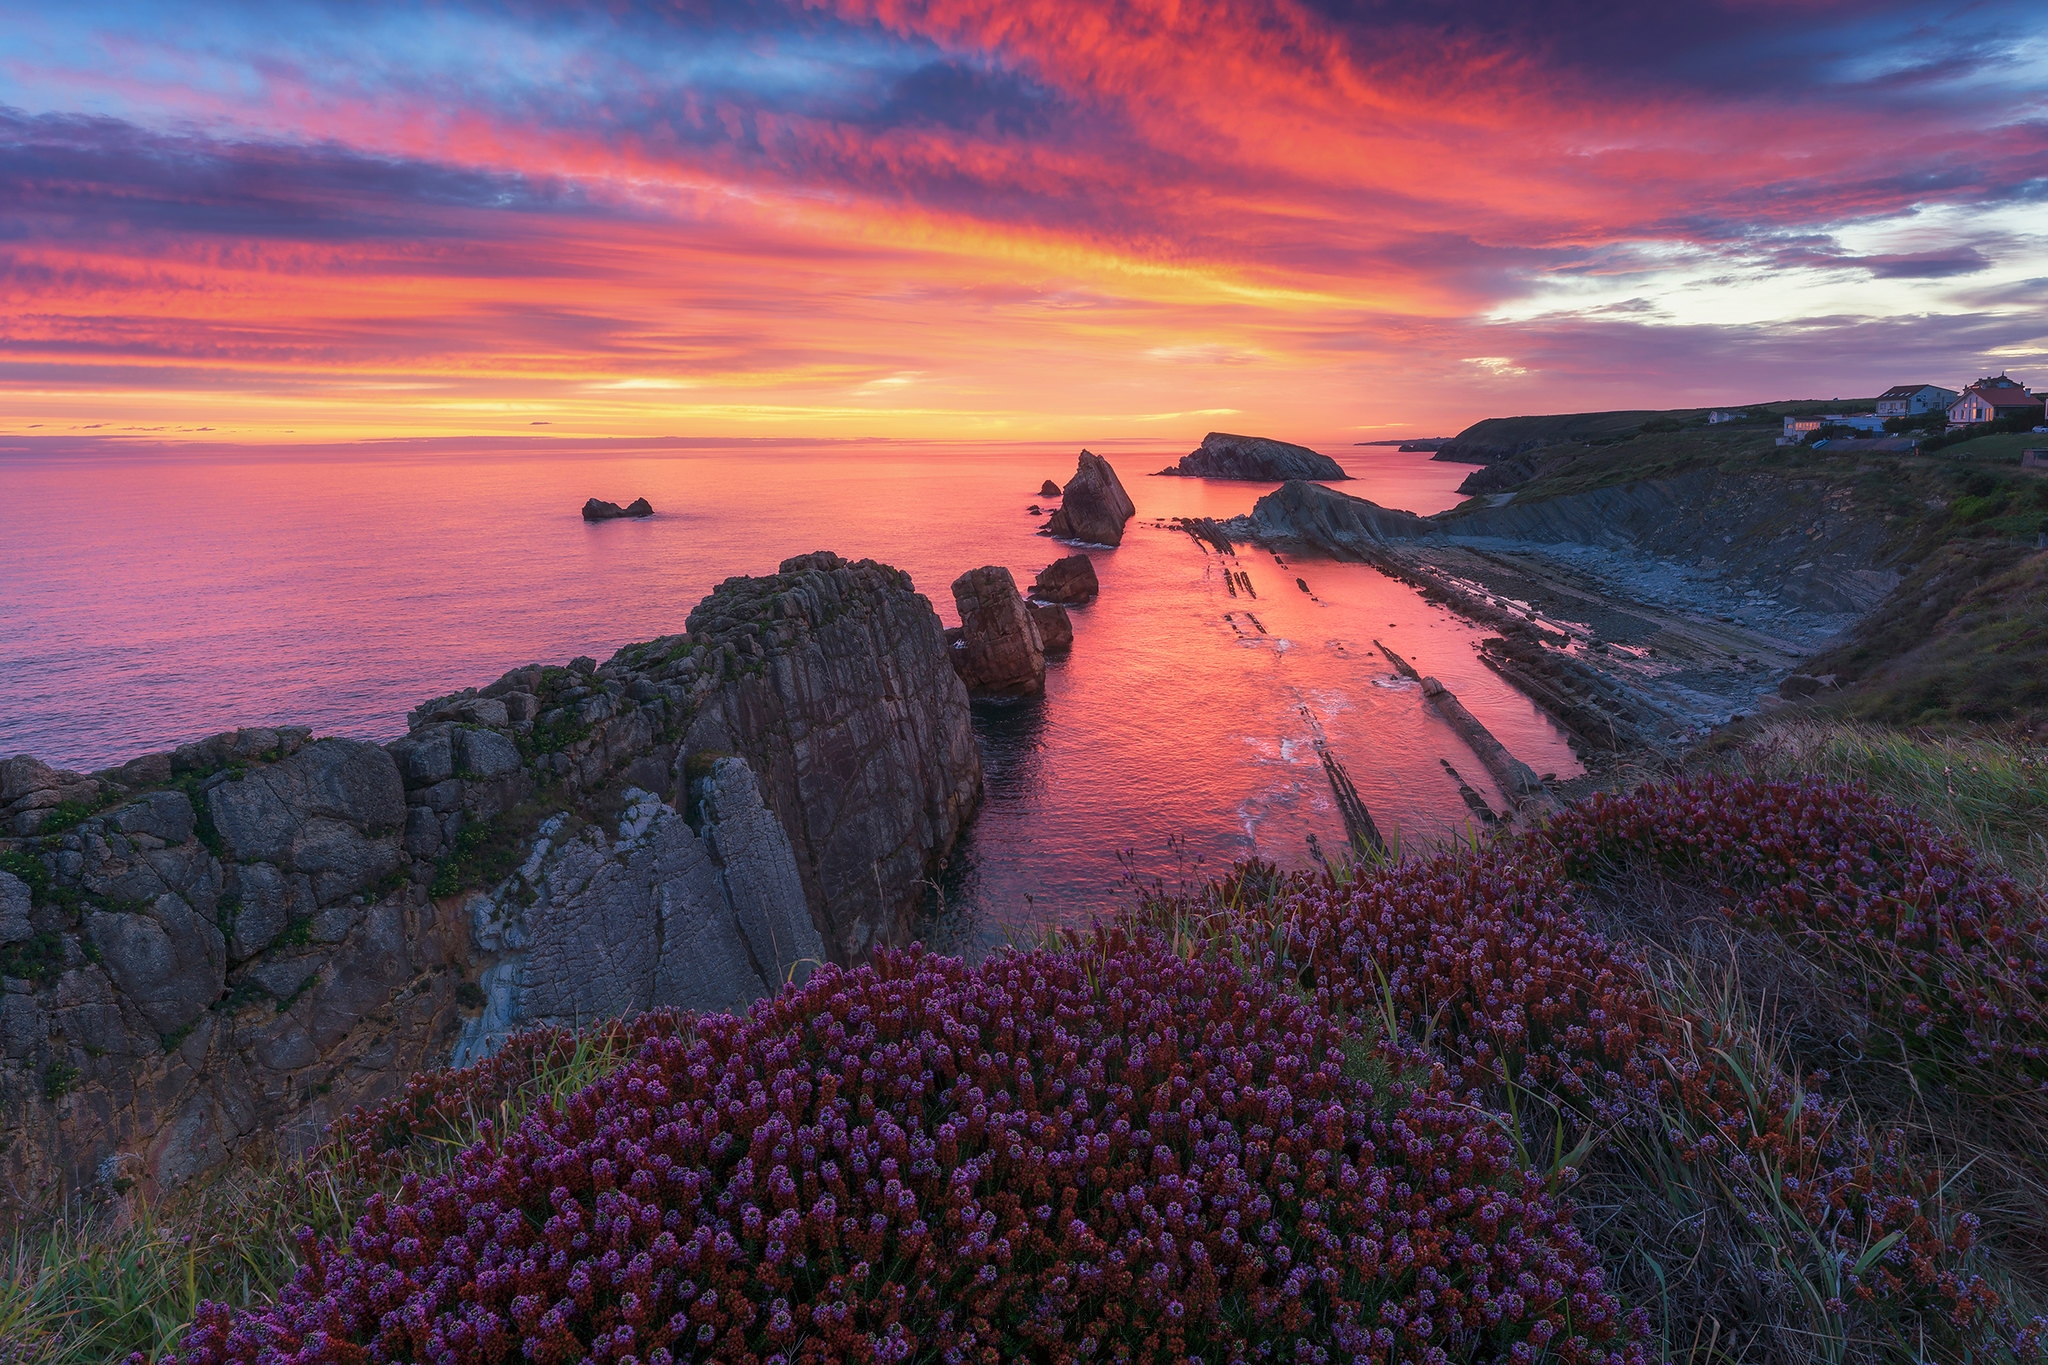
x,y
1259,458
252,933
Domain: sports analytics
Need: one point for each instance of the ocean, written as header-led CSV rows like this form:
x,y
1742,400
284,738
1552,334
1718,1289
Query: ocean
x,y
150,597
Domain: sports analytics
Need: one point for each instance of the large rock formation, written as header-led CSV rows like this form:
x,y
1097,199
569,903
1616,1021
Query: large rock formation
x,y
598,510
1224,456
1070,581
1093,506
999,652
255,931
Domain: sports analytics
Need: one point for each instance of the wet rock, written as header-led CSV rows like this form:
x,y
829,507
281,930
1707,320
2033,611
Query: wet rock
x,y
1001,654
1049,489
1070,581
598,510
1055,627
1224,456
1094,506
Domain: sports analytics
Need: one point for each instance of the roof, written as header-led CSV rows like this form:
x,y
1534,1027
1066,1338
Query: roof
x,y
1906,390
1998,396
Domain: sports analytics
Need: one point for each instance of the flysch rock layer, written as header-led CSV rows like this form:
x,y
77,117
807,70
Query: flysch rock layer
x,y
252,933
999,651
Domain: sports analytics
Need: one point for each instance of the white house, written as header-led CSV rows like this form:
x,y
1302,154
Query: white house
x,y
1720,415
1910,400
1988,400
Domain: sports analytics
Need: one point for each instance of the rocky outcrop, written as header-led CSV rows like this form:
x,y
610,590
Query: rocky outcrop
x,y
1055,627
256,931
593,925
597,510
1070,581
1224,456
1048,489
1094,506
999,652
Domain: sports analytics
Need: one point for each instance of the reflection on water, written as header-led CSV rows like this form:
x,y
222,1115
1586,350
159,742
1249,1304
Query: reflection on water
x,y
339,590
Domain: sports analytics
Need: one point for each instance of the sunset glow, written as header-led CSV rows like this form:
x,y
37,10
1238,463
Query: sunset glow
x,y
295,222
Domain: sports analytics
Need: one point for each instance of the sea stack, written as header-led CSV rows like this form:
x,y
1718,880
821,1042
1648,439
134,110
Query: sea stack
x,y
1259,458
598,510
1070,581
1055,627
1000,652
1049,489
1094,506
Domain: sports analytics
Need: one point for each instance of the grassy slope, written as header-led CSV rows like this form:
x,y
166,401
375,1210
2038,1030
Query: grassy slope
x,y
1966,635
1497,436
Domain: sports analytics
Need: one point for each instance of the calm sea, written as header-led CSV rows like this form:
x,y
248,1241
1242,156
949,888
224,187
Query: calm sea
x,y
147,599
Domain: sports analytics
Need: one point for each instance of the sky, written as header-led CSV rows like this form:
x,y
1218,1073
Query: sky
x,y
1034,220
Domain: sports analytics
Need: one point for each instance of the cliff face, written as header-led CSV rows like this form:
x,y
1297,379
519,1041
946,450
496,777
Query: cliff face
x,y
1224,456
255,932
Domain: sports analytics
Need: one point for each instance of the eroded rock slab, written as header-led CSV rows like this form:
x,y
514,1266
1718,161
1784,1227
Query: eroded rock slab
x,y
1094,506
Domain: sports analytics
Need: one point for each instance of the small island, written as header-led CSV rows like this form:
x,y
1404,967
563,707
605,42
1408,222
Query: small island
x,y
598,510
1256,458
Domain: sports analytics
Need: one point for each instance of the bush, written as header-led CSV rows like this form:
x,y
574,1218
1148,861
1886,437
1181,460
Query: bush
x,y
1103,1153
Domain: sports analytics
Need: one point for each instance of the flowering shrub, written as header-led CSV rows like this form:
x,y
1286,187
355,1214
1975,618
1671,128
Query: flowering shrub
x,y
1534,1012
1106,1153
1947,951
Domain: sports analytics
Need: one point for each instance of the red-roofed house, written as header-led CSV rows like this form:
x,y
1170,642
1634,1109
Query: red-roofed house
x,y
1989,400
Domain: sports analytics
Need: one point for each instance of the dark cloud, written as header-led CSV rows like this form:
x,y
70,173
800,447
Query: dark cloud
x,y
1923,265
69,178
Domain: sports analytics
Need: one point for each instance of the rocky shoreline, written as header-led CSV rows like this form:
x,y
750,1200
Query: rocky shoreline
x,y
1640,615
245,936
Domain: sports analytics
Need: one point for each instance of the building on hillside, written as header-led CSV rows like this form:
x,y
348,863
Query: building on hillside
x,y
1990,400
1910,400
1798,429
1720,415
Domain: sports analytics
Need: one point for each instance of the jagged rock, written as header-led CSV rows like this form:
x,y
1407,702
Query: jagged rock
x,y
1000,653
1055,627
831,680
1094,506
15,926
1049,489
167,961
592,927
1070,581
30,789
325,811
1224,456
598,510
757,869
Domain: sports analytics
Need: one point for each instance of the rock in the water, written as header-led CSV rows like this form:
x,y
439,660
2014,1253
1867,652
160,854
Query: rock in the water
x,y
1055,627
598,510
1000,653
1049,489
1224,456
1070,581
1094,506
